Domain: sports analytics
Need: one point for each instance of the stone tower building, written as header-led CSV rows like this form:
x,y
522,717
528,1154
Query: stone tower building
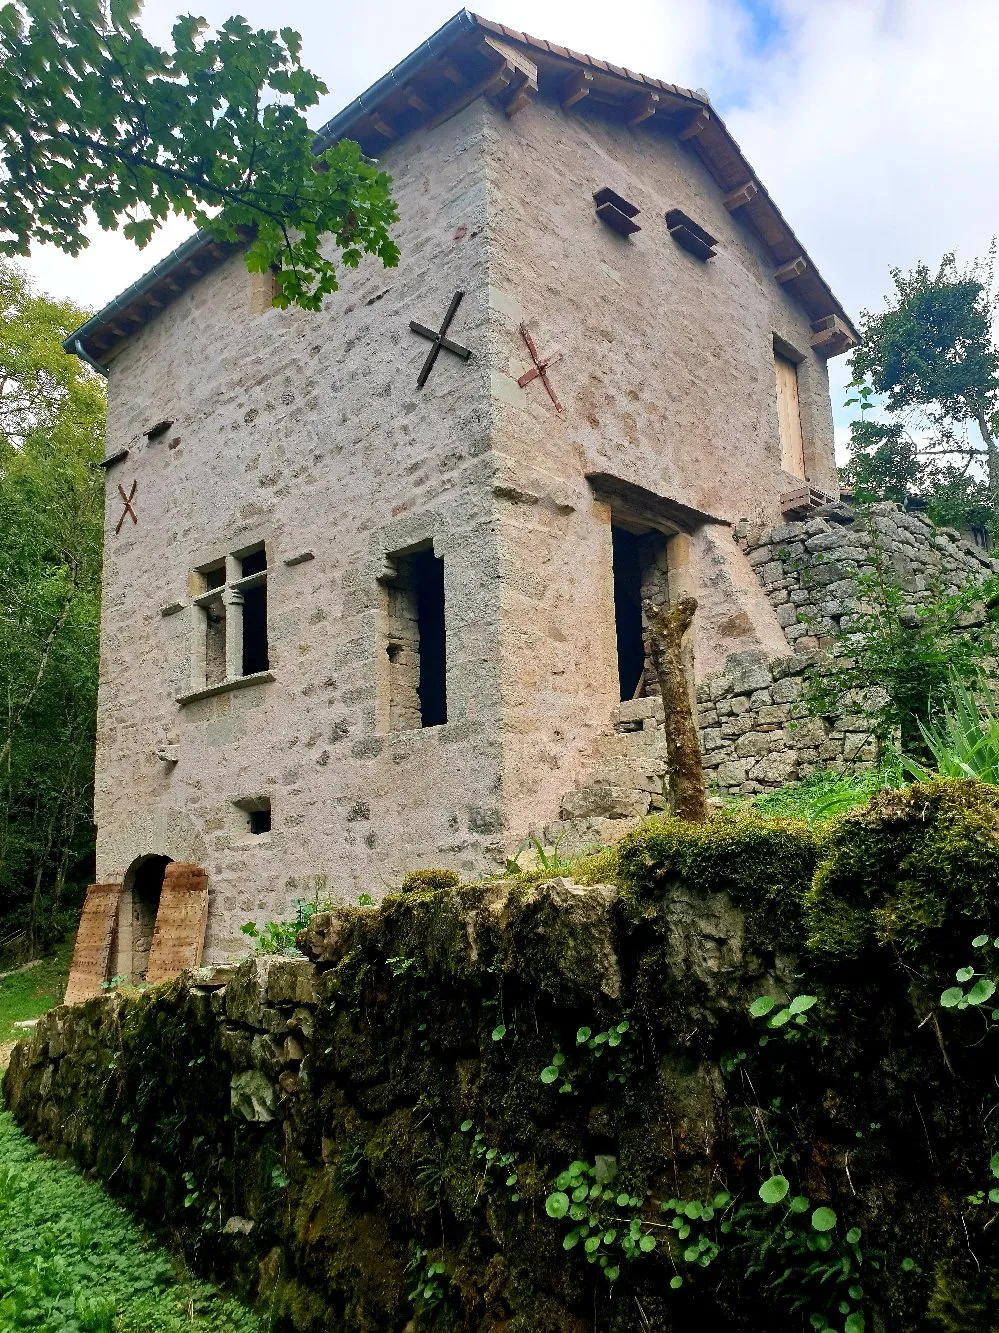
x,y
356,621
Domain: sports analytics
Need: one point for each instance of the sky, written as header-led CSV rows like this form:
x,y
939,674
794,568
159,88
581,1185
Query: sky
x,y
873,123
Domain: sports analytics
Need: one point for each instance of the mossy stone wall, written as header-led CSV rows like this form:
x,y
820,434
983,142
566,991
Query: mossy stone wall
x,y
366,1141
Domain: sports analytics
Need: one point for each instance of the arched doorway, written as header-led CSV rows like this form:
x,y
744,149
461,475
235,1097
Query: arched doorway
x,y
140,901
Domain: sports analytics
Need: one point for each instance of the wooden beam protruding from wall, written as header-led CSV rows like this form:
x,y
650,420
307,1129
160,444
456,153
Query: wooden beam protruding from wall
x,y
742,195
832,337
794,268
642,108
576,87
698,122
522,84
414,100
381,126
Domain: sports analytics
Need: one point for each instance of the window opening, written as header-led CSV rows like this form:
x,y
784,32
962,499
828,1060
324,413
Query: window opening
x,y
233,607
792,448
257,810
255,652
415,644
639,575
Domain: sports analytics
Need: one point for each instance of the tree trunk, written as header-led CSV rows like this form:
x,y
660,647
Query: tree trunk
x,y
687,796
992,454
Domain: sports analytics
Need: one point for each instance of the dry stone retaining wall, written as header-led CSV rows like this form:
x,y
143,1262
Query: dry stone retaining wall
x,y
328,1137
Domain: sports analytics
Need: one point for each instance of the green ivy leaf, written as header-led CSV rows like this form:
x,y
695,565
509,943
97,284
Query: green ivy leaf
x,y
499,1032
762,1005
801,1003
964,973
557,1204
823,1219
952,997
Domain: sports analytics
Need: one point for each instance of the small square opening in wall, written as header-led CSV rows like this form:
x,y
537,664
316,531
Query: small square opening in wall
x,y
257,810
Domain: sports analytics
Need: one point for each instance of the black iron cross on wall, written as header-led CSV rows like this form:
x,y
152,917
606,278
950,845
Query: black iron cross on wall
x,y
439,340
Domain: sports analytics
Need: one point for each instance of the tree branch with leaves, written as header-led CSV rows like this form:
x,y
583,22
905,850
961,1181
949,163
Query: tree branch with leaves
x,y
96,120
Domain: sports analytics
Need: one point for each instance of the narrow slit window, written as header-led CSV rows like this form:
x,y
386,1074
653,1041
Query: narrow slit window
x,y
628,610
213,610
415,643
792,448
255,652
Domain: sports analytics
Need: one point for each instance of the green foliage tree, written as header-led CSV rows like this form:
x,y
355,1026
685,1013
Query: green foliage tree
x,y
51,517
95,118
933,356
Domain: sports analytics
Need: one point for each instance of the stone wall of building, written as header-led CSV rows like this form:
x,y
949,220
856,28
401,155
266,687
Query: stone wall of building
x,y
304,433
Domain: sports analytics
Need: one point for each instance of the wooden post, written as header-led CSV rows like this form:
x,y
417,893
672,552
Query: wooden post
x,y
686,793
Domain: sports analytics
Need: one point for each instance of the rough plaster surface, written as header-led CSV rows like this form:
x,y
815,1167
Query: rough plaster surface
x,y
307,432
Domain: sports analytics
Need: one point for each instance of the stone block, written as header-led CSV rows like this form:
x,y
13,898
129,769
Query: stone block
x,y
292,981
786,690
776,768
253,1096
596,801
245,995
635,710
748,671
826,541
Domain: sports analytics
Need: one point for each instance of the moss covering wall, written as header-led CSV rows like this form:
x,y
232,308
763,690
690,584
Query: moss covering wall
x,y
409,1132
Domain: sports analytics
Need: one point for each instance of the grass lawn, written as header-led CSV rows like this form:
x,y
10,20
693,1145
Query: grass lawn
x,y
29,994
74,1261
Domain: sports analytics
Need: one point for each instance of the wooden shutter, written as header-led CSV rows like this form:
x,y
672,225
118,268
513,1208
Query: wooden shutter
x,y
179,934
792,449
92,950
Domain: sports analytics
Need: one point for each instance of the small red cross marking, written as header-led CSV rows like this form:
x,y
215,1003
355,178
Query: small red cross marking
x,y
128,511
540,368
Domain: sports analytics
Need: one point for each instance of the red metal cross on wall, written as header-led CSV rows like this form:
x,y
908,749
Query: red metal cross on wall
x,y
128,511
540,369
